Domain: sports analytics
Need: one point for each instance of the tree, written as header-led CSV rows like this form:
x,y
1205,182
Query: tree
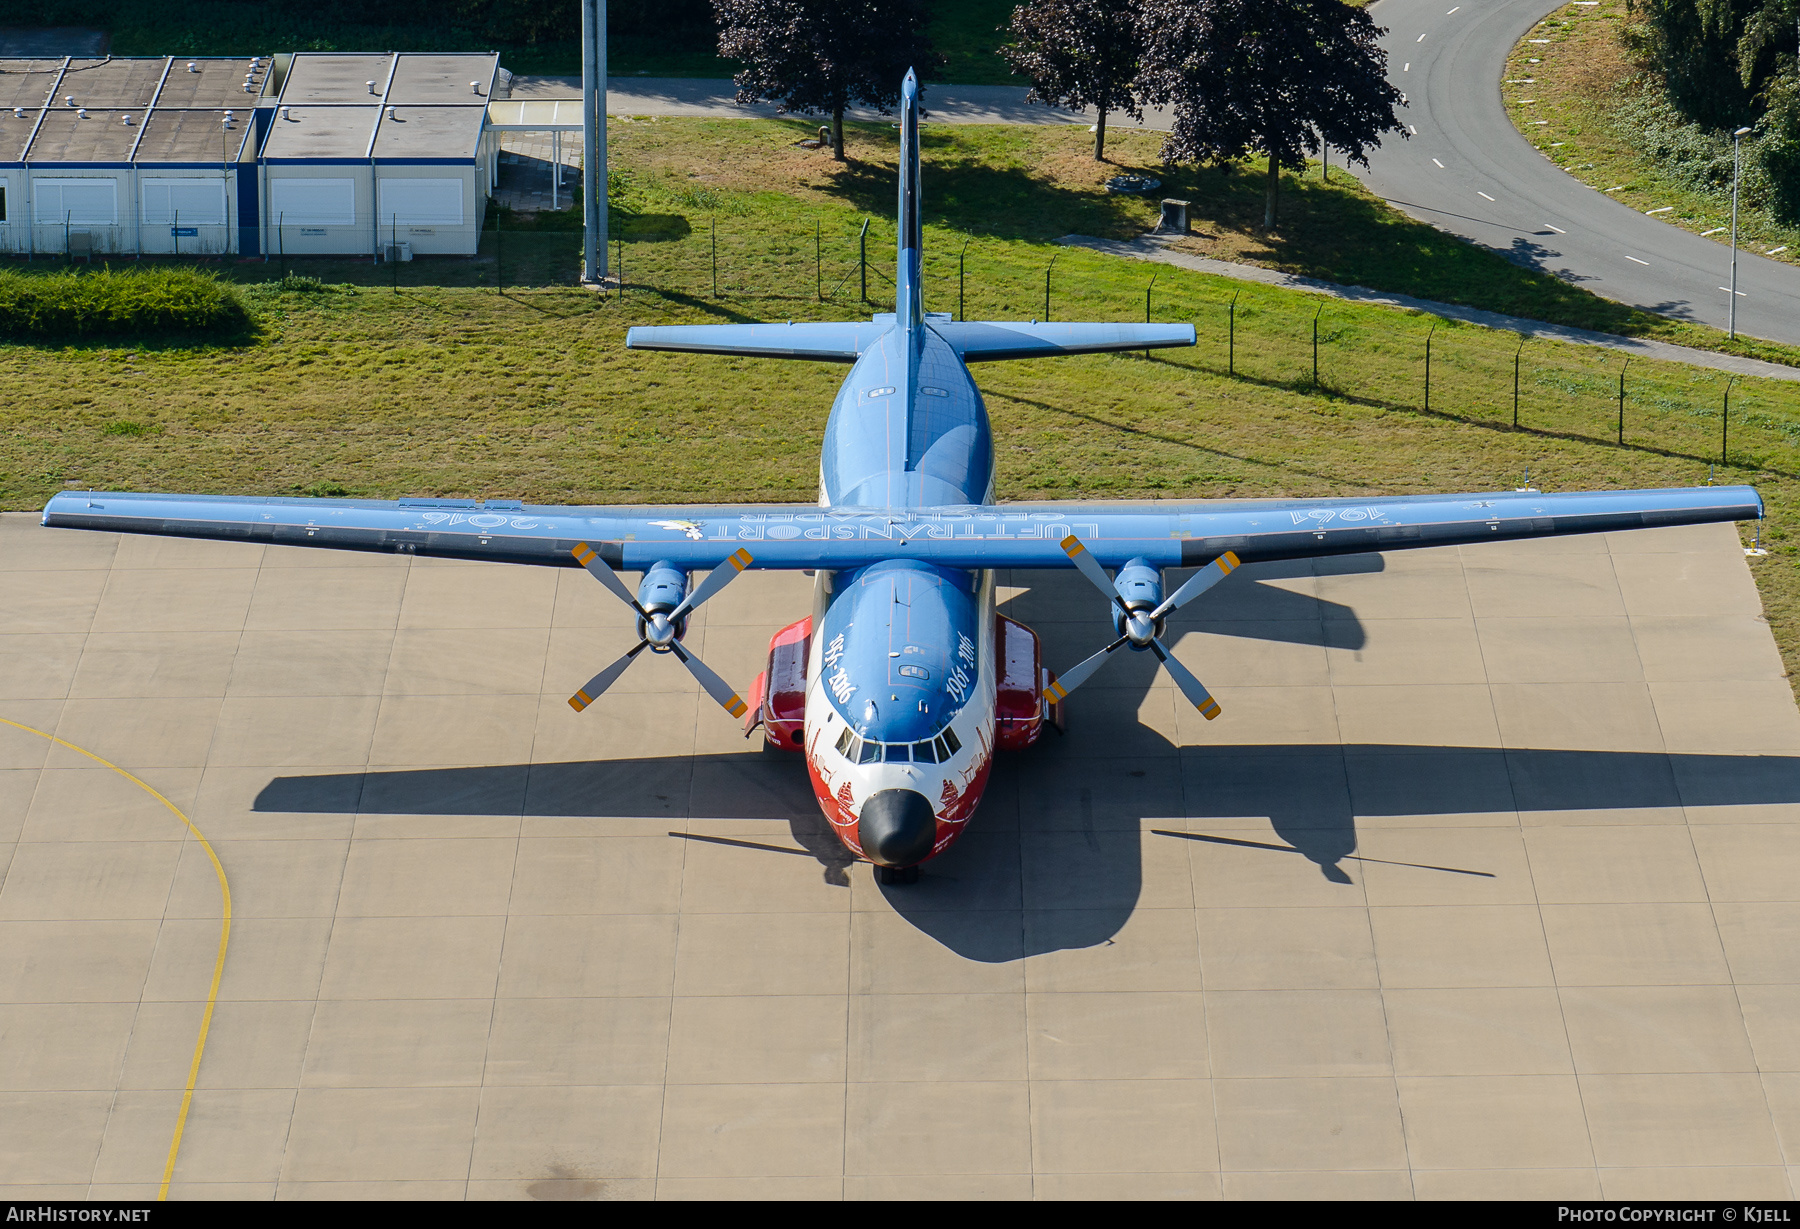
x,y
1079,53
821,56
1274,77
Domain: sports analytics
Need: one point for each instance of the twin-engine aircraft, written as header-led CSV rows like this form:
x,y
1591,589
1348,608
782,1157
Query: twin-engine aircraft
x,y
903,682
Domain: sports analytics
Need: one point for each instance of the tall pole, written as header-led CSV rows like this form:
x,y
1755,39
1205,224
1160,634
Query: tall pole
x,y
593,139
1737,142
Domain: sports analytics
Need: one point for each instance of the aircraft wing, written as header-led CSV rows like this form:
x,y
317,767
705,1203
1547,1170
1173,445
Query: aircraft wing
x,y
807,536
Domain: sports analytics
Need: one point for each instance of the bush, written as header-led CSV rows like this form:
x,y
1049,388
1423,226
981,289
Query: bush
x,y
68,306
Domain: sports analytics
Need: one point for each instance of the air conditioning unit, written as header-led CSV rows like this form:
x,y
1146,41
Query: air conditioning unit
x,y
396,251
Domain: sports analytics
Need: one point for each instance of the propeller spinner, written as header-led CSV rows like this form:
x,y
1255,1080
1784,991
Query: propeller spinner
x,y
662,620
1139,617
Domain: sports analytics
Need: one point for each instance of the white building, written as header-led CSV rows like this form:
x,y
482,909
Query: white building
x,y
310,154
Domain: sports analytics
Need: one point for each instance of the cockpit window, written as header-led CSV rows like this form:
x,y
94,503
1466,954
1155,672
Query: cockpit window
x,y
866,751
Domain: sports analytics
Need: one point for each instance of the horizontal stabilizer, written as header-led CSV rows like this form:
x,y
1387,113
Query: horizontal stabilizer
x,y
987,341
830,342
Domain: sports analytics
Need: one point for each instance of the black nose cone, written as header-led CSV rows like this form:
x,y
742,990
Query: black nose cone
x,y
896,827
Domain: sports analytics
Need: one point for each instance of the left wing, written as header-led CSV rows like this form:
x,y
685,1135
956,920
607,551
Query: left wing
x,y
808,536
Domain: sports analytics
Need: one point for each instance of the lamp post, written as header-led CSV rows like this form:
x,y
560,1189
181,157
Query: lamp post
x,y
1737,142
593,139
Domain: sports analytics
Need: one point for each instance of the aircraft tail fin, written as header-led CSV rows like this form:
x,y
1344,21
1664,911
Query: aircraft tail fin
x,y
909,299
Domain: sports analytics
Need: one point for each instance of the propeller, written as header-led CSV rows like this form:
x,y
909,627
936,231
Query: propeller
x,y
1140,621
661,622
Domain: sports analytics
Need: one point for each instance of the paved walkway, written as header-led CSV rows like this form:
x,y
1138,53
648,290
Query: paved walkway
x,y
1150,247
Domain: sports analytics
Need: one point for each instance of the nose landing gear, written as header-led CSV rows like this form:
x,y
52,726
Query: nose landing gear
x,y
896,876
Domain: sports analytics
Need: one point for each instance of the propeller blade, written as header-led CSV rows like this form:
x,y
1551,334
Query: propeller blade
x,y
590,690
602,571
716,687
1196,694
1080,674
715,580
1197,584
1090,567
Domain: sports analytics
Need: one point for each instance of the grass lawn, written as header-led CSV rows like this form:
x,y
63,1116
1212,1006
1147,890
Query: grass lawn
x,y
1563,81
444,385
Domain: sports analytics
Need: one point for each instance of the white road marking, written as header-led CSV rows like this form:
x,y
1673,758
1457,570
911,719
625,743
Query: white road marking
x,y
1728,290
1653,212
1717,230
1419,39
1408,67
1459,6
1440,166
1559,230
1641,262
1484,196
1415,130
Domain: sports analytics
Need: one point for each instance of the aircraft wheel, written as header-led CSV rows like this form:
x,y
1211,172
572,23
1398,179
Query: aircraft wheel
x,y
896,876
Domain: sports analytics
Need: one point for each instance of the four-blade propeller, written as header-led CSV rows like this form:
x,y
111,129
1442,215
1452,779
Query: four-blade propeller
x,y
660,625
1140,625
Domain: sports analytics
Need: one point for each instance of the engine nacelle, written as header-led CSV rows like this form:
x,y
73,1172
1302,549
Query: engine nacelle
x,y
1140,584
663,588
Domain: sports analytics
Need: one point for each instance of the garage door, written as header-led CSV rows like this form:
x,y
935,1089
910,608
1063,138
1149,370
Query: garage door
x,y
421,202
83,202
312,202
191,202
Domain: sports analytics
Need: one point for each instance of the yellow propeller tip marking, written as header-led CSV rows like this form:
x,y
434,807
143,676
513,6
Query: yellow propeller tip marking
x,y
580,700
582,552
1073,546
741,559
737,708
1229,560
1055,693
1210,709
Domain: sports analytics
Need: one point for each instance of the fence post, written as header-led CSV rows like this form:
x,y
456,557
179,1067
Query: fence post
x,y
1316,316
1622,400
1725,421
394,247
862,258
1516,354
1428,338
1231,339
960,313
499,267
715,255
1047,269
1153,276
619,246
819,259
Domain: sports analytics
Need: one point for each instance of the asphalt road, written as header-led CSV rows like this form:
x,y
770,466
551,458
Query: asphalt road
x,y
1469,172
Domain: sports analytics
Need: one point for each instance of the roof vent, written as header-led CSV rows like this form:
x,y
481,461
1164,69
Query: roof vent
x,y
69,99
193,67
391,114
81,113
18,112
128,119
371,86
476,86
287,113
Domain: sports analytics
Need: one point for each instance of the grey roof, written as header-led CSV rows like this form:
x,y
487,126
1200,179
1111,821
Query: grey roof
x,y
443,79
341,80
175,113
27,83
430,132
320,132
